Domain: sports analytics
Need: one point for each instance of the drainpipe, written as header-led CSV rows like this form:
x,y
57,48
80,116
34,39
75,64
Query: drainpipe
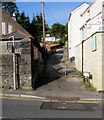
x,y
13,52
83,59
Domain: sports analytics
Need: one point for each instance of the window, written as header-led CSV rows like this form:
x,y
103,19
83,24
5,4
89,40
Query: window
x,y
9,29
3,28
94,43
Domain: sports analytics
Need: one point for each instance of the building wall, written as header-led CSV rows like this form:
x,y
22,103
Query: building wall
x,y
50,39
103,46
24,74
74,24
103,61
92,19
92,60
78,57
6,66
8,20
0,21
0,51
27,68
25,65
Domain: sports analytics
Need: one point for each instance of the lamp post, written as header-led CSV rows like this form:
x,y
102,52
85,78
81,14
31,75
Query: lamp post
x,y
13,53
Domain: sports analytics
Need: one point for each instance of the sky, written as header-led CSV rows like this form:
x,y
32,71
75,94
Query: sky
x,y
55,12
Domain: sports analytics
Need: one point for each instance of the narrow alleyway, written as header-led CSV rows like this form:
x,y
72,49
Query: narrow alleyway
x,y
54,83
53,69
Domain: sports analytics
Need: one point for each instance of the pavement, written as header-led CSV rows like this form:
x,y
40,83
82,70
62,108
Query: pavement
x,y
47,94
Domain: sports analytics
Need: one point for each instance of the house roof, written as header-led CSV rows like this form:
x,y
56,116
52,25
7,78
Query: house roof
x,y
17,35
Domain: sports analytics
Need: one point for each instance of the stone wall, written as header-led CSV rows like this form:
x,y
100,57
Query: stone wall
x,y
22,65
6,66
28,68
25,65
7,70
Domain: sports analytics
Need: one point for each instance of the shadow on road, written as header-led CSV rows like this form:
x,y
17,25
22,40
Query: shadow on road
x,y
54,69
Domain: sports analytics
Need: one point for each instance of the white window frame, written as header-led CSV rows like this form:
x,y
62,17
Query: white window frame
x,y
10,28
3,28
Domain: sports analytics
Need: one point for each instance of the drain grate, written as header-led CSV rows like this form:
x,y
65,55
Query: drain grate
x,y
67,106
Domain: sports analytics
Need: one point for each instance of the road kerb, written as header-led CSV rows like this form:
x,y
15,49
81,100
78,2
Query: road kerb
x,y
93,99
14,95
31,96
22,96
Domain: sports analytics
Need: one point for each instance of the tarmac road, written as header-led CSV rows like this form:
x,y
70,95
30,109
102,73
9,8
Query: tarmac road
x,y
16,108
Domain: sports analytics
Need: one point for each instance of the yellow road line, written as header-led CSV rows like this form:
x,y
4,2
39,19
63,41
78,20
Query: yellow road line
x,y
87,102
70,101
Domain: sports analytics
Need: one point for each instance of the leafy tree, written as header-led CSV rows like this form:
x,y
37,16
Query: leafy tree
x,y
47,28
58,30
24,21
66,28
10,8
36,27
63,39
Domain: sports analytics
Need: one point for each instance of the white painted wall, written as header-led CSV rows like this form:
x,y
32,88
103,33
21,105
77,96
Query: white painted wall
x,y
92,19
51,39
74,24
93,60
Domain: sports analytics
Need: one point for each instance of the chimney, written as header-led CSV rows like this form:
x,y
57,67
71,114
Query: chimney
x,y
14,16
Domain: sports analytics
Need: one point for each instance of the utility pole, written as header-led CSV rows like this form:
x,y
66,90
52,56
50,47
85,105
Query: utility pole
x,y
44,44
